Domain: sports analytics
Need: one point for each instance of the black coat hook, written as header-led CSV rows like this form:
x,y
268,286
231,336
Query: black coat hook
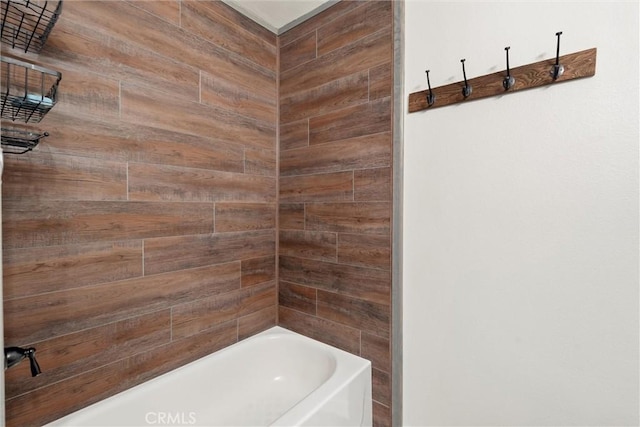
x,y
466,90
431,98
557,68
508,81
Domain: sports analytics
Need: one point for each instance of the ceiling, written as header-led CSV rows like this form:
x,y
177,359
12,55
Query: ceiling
x,y
279,15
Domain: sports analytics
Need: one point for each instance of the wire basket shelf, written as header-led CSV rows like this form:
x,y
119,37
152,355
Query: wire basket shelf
x,y
28,91
19,141
26,24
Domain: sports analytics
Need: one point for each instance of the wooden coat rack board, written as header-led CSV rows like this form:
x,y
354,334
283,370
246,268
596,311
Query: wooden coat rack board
x,y
576,65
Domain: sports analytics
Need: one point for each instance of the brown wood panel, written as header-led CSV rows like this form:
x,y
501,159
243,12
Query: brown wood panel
x,y
257,322
380,81
357,217
169,10
43,316
357,313
92,138
334,187
316,245
361,55
378,350
227,12
381,415
61,398
219,91
370,151
294,135
182,252
367,119
77,45
90,349
291,216
352,26
260,162
318,20
258,270
328,332
171,183
337,94
381,390
297,297
49,177
244,216
32,271
202,20
372,184
43,223
142,106
366,250
298,51
359,282
198,316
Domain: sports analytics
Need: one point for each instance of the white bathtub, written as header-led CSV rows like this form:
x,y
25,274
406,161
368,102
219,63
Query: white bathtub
x,y
275,378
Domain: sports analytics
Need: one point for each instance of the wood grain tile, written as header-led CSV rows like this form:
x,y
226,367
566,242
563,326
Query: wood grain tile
x,y
32,271
328,332
361,55
141,106
364,283
260,162
182,252
257,322
171,183
318,20
297,297
44,316
357,313
244,216
366,250
367,119
219,91
381,390
337,94
291,216
334,187
62,356
298,51
316,245
92,138
169,10
197,316
42,177
294,135
49,403
377,349
258,270
372,184
357,217
381,415
45,223
200,18
380,81
352,26
370,151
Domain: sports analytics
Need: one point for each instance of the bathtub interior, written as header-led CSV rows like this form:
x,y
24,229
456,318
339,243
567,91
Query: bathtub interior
x,y
277,377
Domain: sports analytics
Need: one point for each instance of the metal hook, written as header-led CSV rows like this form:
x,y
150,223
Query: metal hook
x,y
466,90
431,98
557,68
508,81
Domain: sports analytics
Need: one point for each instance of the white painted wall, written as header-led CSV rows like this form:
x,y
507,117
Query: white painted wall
x,y
520,219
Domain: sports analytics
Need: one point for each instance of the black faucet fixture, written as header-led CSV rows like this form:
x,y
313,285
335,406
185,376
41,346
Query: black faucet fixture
x,y
14,355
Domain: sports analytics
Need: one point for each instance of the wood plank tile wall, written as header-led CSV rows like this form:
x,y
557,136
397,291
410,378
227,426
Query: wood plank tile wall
x,y
335,184
141,234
